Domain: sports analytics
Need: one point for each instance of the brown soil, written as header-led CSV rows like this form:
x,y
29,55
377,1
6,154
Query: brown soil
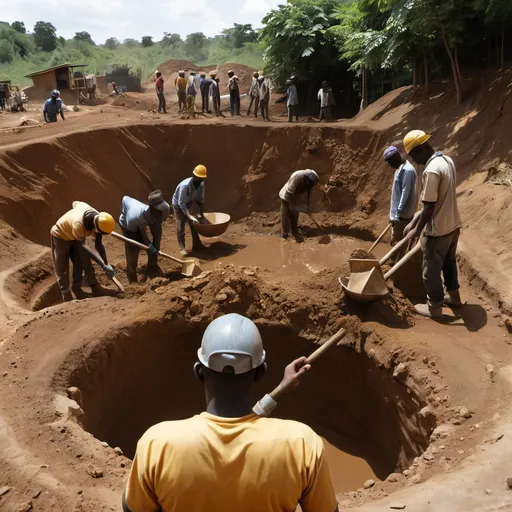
x,y
379,396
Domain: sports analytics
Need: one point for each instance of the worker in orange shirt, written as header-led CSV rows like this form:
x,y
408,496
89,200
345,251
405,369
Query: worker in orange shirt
x,y
181,90
230,459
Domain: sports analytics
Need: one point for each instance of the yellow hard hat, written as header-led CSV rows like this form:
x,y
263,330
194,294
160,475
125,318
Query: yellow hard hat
x,y
414,139
200,171
105,223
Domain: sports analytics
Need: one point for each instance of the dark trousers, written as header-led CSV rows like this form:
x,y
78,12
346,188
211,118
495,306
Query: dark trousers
x,y
181,221
234,97
289,219
161,102
132,254
206,103
325,113
293,110
397,233
255,100
264,109
439,255
2,104
182,100
216,105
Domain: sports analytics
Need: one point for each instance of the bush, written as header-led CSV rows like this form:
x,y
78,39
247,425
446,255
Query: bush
x,y
6,51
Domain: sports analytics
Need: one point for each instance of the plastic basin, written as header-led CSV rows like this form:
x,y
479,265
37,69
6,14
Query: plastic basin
x,y
216,224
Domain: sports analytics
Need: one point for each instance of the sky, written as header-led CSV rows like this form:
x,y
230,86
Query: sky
x,y
136,18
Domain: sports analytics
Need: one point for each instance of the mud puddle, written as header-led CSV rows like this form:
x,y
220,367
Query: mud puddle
x,y
287,256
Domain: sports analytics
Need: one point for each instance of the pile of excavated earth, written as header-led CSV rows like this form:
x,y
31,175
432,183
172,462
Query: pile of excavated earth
x,y
414,412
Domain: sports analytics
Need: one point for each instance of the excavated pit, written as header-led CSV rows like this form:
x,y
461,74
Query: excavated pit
x,y
143,375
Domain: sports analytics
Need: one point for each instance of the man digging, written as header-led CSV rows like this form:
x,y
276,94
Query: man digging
x,y
441,219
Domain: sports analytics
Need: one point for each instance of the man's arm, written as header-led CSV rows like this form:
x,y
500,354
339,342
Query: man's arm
x,y
156,232
420,221
100,248
182,203
92,254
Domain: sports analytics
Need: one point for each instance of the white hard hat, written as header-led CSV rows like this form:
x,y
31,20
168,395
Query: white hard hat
x,y
231,341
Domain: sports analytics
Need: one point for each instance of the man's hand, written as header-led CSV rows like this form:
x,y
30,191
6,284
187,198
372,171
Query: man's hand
x,y
194,220
408,228
109,271
293,374
152,250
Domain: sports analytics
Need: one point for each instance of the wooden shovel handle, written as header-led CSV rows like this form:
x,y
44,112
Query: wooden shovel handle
x,y
145,247
388,227
390,273
395,249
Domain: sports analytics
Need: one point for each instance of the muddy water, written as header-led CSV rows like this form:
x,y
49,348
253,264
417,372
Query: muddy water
x,y
287,256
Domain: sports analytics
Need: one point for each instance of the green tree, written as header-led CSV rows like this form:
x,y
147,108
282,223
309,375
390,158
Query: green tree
x,y
195,46
6,51
147,41
19,26
238,35
131,43
45,36
111,43
171,39
84,36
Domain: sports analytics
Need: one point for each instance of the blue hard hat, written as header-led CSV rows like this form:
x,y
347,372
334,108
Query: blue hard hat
x,y
55,93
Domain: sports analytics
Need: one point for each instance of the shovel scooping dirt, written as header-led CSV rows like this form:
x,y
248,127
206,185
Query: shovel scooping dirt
x,y
325,238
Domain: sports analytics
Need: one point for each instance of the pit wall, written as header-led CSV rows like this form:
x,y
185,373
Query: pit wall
x,y
247,166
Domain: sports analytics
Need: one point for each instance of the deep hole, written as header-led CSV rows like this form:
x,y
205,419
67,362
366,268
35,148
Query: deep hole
x,y
143,376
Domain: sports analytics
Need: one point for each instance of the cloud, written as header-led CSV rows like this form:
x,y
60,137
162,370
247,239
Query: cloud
x,y
253,8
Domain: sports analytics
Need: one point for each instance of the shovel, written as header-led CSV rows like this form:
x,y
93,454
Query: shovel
x,y
325,239
367,282
189,268
388,227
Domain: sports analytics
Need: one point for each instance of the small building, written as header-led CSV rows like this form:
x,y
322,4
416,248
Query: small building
x,y
69,79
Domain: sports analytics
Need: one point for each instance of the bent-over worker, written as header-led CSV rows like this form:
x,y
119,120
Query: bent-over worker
x,y
188,192
441,219
135,218
300,182
403,194
52,107
228,458
69,234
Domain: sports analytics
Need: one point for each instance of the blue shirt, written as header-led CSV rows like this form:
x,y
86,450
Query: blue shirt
x,y
186,194
403,196
136,216
51,108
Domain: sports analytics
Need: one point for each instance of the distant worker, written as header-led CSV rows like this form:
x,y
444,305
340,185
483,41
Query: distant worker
x,y
159,86
205,93
191,94
442,222
264,91
215,94
52,107
197,85
326,98
69,234
135,218
300,182
115,90
181,90
190,191
3,97
234,93
254,95
17,101
230,458
292,101
403,195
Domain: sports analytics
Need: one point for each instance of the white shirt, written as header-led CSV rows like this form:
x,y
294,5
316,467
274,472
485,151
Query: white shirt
x,y
186,194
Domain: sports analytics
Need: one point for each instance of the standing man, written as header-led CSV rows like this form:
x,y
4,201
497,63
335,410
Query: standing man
x,y
69,234
215,95
159,86
52,107
115,90
326,98
441,219
234,93
3,97
181,90
205,93
403,195
135,218
189,191
300,182
191,94
264,91
293,100
229,458
254,94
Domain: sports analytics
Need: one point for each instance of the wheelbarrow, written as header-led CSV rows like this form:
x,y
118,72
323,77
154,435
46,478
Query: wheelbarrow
x,y
367,282
189,268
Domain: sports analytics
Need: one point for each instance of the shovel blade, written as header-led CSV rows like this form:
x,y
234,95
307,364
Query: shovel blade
x,y
190,268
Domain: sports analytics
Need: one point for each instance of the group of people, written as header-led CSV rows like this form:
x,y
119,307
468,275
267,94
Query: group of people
x,y
259,94
138,221
14,98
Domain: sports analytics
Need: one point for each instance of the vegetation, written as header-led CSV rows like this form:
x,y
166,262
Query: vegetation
x,y
22,53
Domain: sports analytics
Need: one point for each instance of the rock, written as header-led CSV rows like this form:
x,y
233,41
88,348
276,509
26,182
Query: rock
x,y
490,371
4,490
407,473
122,465
221,297
80,491
75,394
425,360
397,506
426,412
416,479
428,457
464,413
248,272
401,372
24,507
160,290
509,483
36,494
488,492
434,450
194,307
369,484
118,451
95,472
104,444
393,477
508,324
5,374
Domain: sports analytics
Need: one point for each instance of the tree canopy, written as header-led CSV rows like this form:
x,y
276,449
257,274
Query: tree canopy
x,y
45,36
